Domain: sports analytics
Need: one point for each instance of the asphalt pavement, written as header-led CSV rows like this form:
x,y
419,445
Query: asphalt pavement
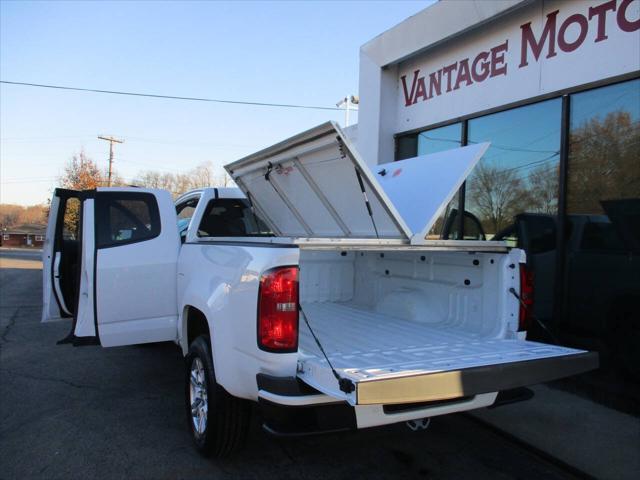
x,y
21,253
88,412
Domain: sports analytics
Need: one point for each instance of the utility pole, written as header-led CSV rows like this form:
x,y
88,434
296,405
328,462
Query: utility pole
x,y
349,104
111,141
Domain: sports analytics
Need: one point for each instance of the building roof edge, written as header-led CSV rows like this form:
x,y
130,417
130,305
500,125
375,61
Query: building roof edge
x,y
446,19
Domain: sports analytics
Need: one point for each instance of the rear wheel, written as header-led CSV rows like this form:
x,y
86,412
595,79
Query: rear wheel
x,y
218,422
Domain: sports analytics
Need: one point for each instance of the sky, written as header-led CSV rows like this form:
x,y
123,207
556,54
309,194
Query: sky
x,y
277,52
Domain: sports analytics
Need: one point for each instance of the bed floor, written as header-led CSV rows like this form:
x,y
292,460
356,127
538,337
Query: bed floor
x,y
365,344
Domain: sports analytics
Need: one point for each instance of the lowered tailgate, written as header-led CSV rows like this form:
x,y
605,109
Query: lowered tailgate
x,y
386,360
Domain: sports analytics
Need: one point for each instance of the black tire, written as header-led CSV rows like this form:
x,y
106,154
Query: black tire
x,y
227,419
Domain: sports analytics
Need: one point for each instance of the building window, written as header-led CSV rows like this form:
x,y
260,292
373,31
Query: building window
x,y
603,213
440,139
39,238
433,141
429,141
585,290
519,173
6,236
603,147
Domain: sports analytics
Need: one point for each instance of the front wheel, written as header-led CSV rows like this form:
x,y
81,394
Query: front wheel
x,y
218,421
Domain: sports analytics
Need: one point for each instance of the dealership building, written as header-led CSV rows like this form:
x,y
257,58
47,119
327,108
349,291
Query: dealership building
x,y
555,87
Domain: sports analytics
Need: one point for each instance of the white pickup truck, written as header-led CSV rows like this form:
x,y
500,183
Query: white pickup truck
x,y
310,290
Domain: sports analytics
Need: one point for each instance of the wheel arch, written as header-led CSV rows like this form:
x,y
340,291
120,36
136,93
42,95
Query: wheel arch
x,y
193,322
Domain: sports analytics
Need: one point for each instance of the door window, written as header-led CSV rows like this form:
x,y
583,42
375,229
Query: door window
x,y
123,218
185,211
71,219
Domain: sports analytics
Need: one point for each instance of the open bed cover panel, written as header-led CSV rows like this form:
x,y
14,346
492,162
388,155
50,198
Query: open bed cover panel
x,y
315,185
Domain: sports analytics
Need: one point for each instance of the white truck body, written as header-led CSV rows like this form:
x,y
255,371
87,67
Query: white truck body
x,y
410,328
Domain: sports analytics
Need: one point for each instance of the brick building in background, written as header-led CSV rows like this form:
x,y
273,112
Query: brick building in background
x,y
23,236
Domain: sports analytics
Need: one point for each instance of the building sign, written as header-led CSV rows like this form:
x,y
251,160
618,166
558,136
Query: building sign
x,y
531,53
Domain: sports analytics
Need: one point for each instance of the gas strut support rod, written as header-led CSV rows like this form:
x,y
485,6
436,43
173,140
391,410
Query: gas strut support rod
x,y
362,189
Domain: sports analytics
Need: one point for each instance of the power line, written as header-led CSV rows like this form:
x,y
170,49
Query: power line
x,y
493,145
169,97
69,139
532,164
28,180
57,137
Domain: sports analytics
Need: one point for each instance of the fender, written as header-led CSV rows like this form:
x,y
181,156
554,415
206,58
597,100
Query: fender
x,y
222,280
195,297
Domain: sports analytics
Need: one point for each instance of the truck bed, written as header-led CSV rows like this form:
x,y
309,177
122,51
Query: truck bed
x,y
366,345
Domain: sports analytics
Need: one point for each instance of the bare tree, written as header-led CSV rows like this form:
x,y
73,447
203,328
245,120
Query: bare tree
x,y
183,183
10,215
543,190
148,179
178,183
603,162
16,215
202,176
496,195
224,180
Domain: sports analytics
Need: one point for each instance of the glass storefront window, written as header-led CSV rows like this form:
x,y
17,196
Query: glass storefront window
x,y
604,146
603,213
587,291
519,173
440,139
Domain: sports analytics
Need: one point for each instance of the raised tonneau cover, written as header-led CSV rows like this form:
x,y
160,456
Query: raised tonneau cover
x,y
315,186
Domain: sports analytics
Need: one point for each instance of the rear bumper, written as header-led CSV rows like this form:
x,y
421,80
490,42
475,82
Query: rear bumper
x,y
289,407
472,381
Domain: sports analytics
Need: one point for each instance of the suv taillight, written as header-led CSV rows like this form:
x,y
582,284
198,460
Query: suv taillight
x,y
526,297
278,310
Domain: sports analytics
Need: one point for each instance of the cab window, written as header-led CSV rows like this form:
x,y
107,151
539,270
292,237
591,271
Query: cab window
x,y
231,217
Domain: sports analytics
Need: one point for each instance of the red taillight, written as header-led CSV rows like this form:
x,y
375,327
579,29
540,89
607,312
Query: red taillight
x,y
526,297
278,310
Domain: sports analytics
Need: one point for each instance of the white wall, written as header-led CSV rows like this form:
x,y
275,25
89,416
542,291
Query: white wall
x,y
449,32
